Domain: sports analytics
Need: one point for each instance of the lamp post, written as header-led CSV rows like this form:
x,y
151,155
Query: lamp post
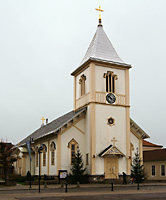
x,y
39,151
30,164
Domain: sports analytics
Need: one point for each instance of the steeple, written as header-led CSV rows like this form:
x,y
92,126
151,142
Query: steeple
x,y
101,48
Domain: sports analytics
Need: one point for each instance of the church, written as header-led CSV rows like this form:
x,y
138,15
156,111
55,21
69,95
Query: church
x,y
99,124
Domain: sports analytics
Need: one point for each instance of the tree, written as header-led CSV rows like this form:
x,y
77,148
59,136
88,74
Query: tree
x,y
77,168
6,159
137,169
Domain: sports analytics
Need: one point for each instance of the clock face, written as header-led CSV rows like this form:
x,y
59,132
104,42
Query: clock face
x,y
110,98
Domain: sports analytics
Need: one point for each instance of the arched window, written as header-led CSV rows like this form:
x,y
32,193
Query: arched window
x,y
52,149
44,154
82,83
37,157
73,145
110,81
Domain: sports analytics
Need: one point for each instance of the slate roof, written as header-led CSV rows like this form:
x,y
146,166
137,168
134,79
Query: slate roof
x,y
53,126
154,155
101,49
101,153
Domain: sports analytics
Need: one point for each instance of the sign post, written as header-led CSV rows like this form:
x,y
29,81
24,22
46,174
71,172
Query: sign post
x,y
63,176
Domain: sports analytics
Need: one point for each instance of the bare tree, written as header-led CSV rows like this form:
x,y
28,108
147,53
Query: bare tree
x,y
6,159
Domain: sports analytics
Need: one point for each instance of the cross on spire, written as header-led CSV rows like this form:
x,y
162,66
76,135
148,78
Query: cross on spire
x,y
113,140
100,10
42,120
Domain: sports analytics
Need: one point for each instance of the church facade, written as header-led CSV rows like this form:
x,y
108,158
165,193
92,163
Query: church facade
x,y
99,125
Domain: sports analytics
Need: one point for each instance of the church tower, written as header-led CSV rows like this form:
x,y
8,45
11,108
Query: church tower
x,y
101,83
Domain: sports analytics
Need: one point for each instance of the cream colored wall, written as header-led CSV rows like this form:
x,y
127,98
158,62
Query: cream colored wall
x,y
27,163
36,168
99,165
100,84
122,165
44,168
78,87
87,137
53,168
135,142
105,133
148,170
65,151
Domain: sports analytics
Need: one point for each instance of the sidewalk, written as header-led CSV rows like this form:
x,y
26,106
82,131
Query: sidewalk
x,y
70,186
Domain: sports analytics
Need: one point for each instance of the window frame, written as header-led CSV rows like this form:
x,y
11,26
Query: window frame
x,y
87,158
52,149
72,151
154,170
110,79
161,170
82,83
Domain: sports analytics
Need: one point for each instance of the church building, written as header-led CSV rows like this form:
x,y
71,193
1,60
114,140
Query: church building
x,y
99,124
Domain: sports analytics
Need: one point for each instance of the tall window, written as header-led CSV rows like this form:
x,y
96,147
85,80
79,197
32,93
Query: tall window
x,y
37,157
110,81
52,149
73,151
73,146
153,170
87,159
82,83
131,152
162,170
44,155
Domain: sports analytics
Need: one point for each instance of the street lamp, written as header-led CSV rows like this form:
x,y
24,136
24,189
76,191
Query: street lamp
x,y
40,149
30,141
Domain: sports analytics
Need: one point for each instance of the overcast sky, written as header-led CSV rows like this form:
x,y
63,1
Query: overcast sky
x,y
43,41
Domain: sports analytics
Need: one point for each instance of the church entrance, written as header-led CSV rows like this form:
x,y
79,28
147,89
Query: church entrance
x,y
111,165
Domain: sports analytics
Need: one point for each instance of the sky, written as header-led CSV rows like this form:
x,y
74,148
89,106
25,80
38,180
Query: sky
x,y
43,41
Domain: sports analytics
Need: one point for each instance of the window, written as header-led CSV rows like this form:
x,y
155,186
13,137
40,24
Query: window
x,y
73,151
111,121
44,155
37,157
110,81
153,170
52,158
44,158
82,83
52,149
73,145
87,159
131,152
162,170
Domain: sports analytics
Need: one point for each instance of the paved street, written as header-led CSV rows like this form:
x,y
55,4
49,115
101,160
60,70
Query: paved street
x,y
86,192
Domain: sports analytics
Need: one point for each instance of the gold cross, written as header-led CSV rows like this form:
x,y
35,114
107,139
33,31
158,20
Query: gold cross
x,y
42,120
114,141
99,9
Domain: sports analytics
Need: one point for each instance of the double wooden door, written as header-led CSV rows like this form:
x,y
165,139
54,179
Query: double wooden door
x,y
111,165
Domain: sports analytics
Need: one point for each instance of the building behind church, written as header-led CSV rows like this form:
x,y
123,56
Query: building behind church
x,y
99,124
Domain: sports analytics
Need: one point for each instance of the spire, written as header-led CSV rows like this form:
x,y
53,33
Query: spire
x,y
101,48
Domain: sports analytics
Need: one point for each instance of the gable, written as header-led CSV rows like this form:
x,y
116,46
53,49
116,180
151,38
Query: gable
x,y
56,127
137,130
